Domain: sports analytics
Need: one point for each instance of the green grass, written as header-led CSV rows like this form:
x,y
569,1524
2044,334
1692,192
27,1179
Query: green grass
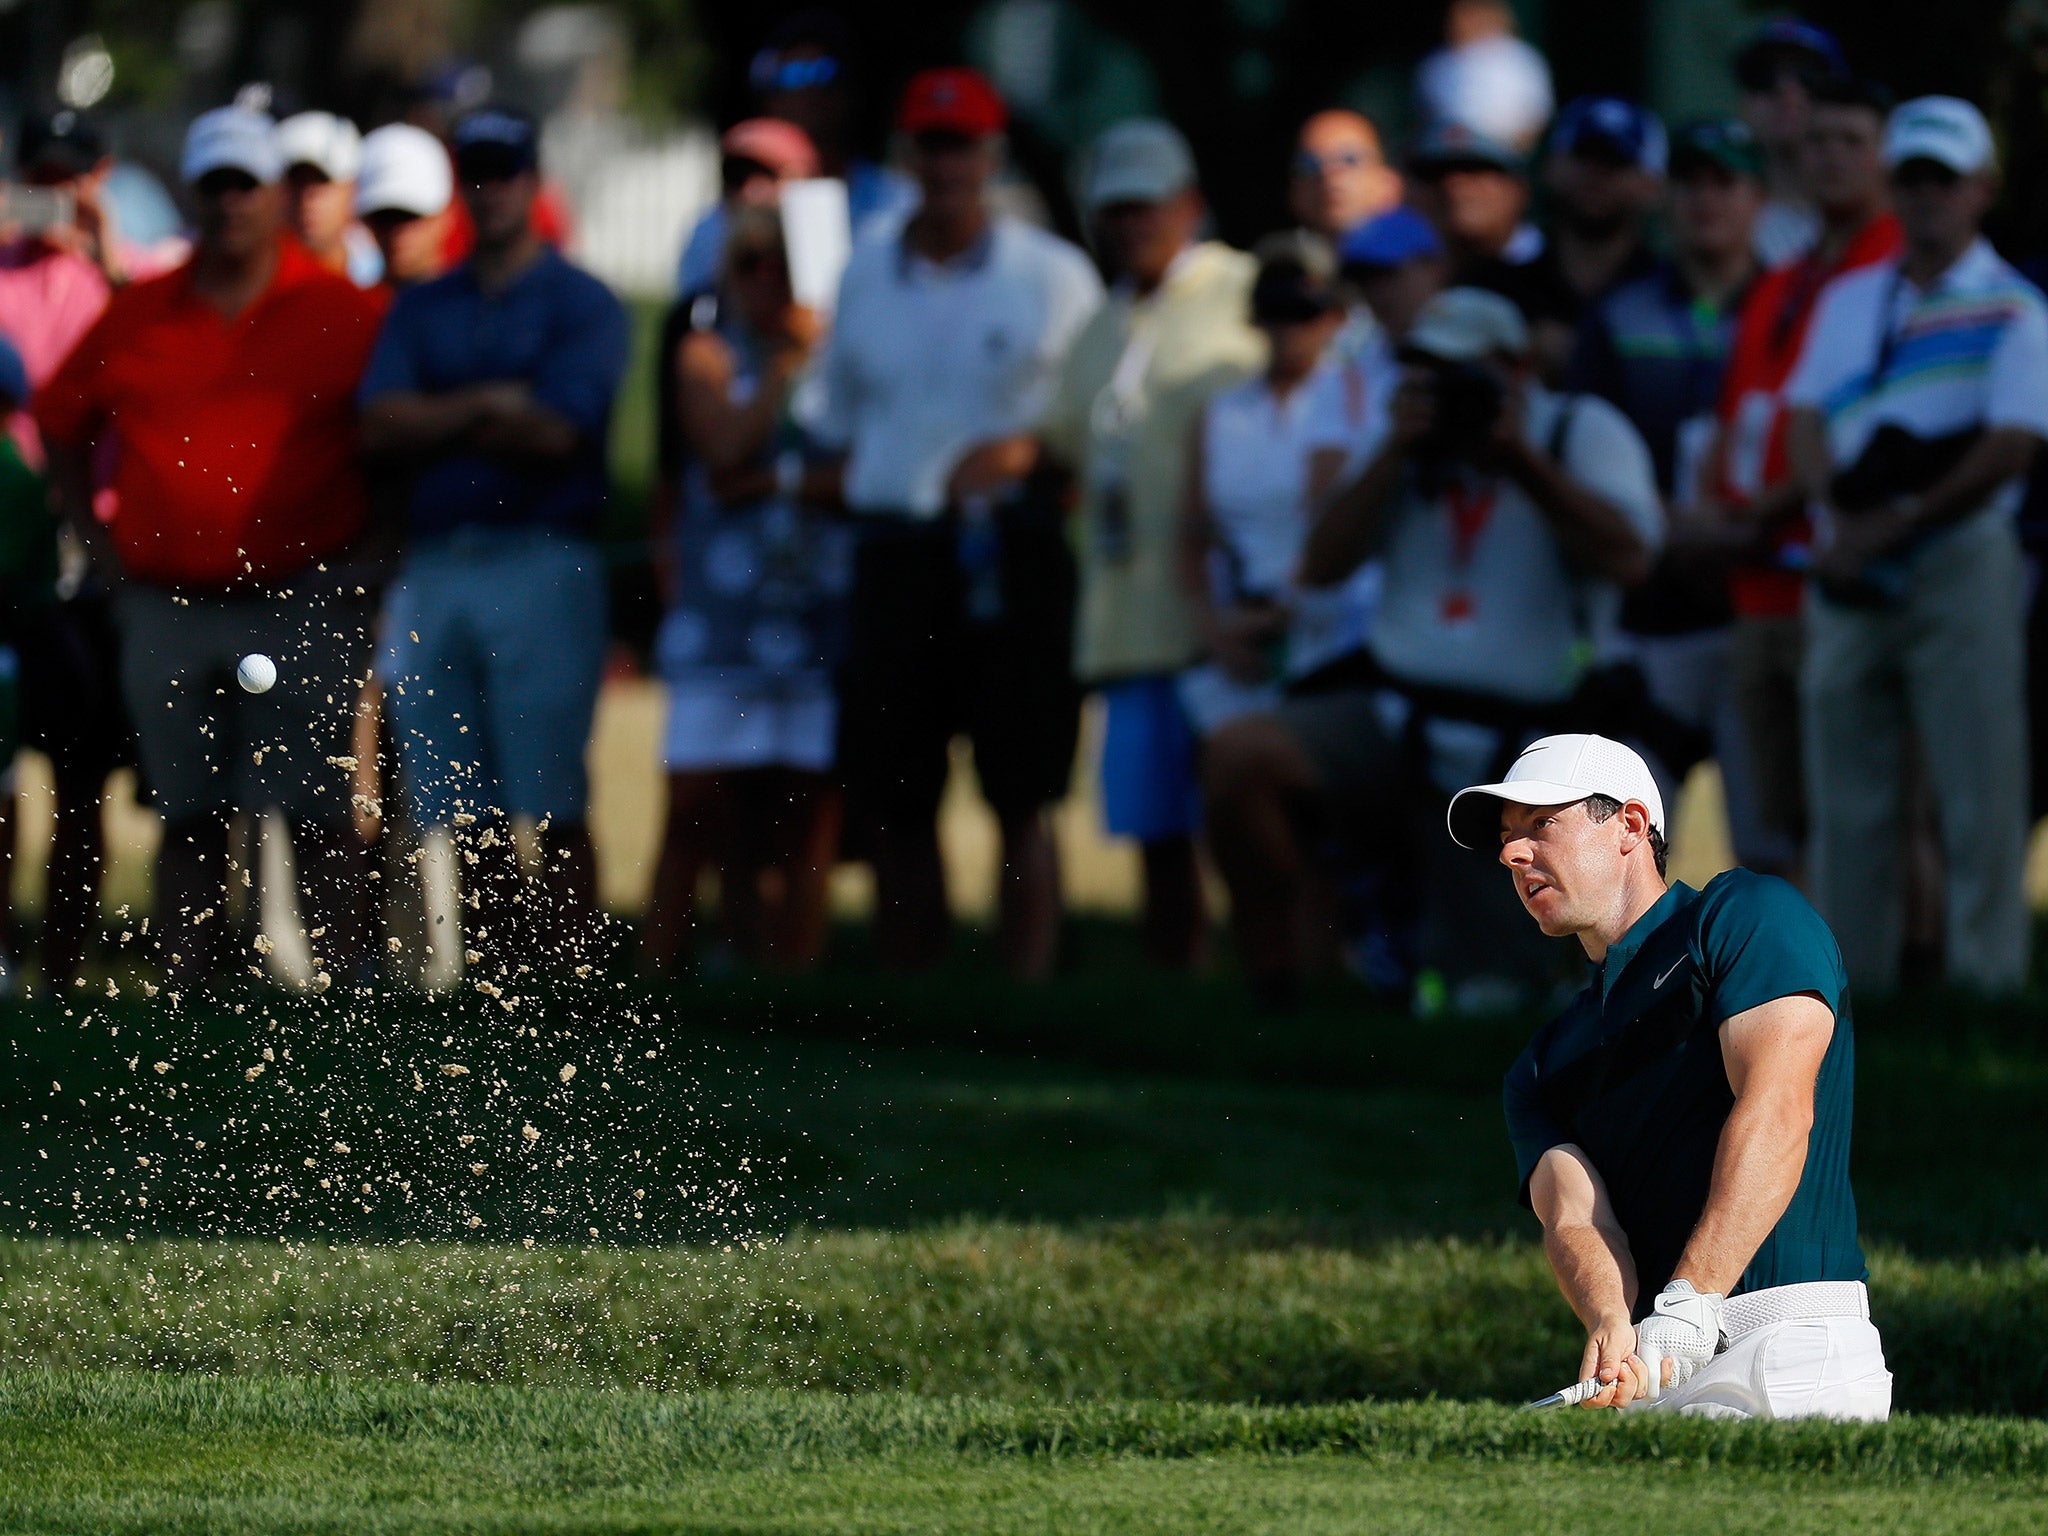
x,y
1171,1311
1041,1245
126,1453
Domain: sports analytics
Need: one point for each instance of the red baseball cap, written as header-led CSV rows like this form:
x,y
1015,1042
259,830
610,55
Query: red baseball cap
x,y
952,100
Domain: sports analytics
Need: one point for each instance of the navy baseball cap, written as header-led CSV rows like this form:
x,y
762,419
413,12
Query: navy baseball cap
x,y
494,142
1608,127
1391,239
1788,40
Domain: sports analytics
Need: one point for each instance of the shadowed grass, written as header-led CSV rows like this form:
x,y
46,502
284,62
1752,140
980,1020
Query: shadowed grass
x,y
1183,1311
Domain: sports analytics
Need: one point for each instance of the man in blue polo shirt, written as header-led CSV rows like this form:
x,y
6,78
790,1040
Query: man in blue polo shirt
x,y
493,386
1682,1128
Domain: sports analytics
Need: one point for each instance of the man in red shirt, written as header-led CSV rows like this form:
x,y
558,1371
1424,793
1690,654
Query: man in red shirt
x,y
227,388
1754,489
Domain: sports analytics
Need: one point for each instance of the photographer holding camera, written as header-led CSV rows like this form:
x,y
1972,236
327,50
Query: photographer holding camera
x,y
1508,519
1918,404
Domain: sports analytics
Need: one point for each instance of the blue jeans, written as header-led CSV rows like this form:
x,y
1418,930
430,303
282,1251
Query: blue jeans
x,y
493,651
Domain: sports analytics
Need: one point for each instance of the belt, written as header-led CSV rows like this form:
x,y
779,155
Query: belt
x,y
1785,1303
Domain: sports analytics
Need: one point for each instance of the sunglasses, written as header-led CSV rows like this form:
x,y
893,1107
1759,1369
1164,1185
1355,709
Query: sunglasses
x,y
217,182
1308,163
1925,173
772,72
735,171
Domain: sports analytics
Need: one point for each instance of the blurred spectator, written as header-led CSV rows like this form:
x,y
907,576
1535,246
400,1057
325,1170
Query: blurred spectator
x,y
1472,189
1920,399
56,275
323,154
1340,176
1173,331
1397,263
1751,482
1657,348
1485,78
1249,495
1508,519
943,358
53,286
495,384
807,74
227,384
754,157
28,580
756,584
403,192
1777,71
61,155
1604,173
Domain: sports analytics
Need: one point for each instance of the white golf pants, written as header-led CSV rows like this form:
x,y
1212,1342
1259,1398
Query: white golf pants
x,y
1794,1352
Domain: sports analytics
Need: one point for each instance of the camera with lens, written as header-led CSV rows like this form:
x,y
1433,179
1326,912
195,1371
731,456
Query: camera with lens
x,y
1468,400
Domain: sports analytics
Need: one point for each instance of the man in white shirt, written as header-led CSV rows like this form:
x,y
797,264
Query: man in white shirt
x,y
1508,519
1918,404
945,349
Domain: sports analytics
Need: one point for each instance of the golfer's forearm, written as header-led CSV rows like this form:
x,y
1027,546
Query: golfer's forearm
x,y
1757,1165
1595,1271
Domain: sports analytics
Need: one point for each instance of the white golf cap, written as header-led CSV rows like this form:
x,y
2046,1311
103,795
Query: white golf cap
x,y
404,169
1140,160
1944,129
331,145
232,139
1463,325
1558,770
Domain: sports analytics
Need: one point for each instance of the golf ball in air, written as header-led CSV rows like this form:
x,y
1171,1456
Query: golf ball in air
x,y
257,673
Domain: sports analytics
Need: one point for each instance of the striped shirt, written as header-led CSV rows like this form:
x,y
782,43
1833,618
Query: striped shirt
x,y
1970,350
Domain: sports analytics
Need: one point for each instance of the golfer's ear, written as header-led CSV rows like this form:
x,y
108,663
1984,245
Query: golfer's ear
x,y
1636,817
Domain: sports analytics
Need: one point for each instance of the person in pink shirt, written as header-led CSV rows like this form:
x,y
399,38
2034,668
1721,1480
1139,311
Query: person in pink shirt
x,y
56,277
56,273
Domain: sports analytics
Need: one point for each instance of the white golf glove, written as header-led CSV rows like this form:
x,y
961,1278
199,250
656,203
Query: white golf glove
x,y
1685,1329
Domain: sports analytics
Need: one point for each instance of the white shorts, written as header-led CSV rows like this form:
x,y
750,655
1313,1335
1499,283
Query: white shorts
x,y
714,729
1794,1352
1212,698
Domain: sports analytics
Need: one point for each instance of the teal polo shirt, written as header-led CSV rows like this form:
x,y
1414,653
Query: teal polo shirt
x,y
1632,1074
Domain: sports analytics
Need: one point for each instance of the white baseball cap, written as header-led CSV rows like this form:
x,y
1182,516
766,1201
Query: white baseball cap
x,y
406,169
232,139
1140,160
1558,770
330,144
1944,129
1463,325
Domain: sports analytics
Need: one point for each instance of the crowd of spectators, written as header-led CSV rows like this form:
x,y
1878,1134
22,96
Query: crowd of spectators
x,y
1708,438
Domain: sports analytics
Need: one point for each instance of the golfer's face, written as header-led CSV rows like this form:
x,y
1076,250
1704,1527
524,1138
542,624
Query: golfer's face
x,y
1556,854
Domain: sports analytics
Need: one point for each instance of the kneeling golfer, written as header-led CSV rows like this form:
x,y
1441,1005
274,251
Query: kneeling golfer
x,y
1682,1129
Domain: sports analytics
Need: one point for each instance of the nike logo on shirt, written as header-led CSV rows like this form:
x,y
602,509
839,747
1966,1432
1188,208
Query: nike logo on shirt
x,y
1666,976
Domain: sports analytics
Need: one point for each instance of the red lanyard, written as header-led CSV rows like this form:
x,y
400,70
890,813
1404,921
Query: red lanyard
x,y
1471,510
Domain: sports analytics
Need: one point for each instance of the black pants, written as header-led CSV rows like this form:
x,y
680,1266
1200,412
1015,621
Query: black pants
x,y
920,671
